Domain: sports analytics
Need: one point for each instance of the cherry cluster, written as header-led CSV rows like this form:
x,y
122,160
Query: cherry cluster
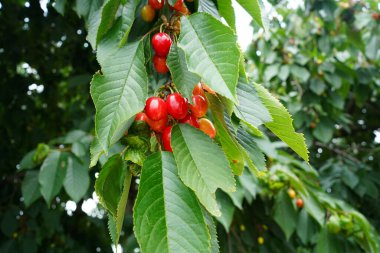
x,y
162,114
148,12
161,43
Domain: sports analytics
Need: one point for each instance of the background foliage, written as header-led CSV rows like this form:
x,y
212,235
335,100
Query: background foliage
x,y
322,62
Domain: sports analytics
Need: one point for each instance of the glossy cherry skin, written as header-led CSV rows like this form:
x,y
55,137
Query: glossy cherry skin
x,y
198,90
179,6
155,108
158,125
191,120
147,13
161,43
159,64
207,127
199,106
299,203
157,4
176,105
141,116
166,138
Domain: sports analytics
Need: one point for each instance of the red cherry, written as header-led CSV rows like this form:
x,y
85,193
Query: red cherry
x,y
166,138
207,127
198,90
299,203
178,6
160,64
199,107
141,116
157,4
158,125
177,106
155,108
161,43
191,120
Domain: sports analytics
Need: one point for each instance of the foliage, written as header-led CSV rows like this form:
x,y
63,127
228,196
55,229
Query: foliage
x,y
228,177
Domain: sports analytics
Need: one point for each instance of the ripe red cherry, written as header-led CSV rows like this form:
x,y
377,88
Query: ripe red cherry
x,y
299,203
155,108
198,90
160,64
179,6
158,125
199,106
191,120
177,106
166,138
207,127
141,116
157,4
161,43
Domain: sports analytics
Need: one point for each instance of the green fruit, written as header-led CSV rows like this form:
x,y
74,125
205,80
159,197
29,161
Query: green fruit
x,y
333,224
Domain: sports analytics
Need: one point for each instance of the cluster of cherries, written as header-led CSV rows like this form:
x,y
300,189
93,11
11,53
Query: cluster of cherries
x,y
148,12
161,43
161,114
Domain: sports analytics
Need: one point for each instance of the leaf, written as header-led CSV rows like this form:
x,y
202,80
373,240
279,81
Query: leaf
x,y
300,72
227,12
96,150
52,174
86,8
128,17
327,243
251,148
77,180
109,184
227,208
324,130
314,208
372,47
317,86
282,123
284,214
209,7
204,40
120,93
120,212
27,161
229,145
237,197
212,231
167,216
192,150
255,8
284,72
30,188
250,109
182,77
101,21
306,227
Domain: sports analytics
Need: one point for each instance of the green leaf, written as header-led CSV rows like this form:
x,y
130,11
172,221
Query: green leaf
x,y
52,174
373,46
314,208
77,180
27,161
227,12
212,231
119,93
284,72
284,213
282,123
96,150
251,148
306,227
300,72
250,109
101,21
204,40
229,145
209,7
167,216
237,197
128,17
30,188
192,151
227,208
182,77
255,8
86,8
324,130
327,243
317,86
109,184
59,6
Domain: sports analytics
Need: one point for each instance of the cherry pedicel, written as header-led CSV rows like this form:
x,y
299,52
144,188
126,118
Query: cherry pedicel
x,y
161,43
166,138
160,64
155,108
177,106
